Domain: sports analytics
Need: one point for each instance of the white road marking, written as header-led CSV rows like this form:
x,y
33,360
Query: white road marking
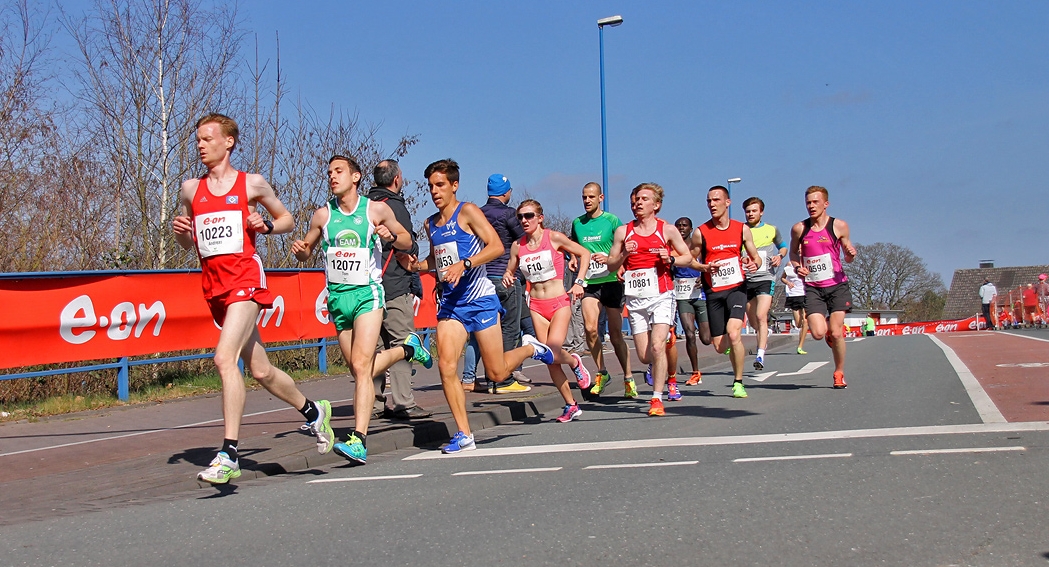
x,y
807,369
1023,336
984,406
506,471
792,458
998,427
356,478
149,431
963,450
640,465
856,339
762,377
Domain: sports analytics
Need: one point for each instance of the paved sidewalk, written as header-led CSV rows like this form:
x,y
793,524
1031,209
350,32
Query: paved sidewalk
x,y
100,459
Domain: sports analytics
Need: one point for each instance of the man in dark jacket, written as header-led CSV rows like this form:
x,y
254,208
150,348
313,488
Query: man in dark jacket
x,y
397,283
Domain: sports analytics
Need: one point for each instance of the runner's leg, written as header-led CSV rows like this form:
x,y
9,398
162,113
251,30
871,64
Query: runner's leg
x,y
451,338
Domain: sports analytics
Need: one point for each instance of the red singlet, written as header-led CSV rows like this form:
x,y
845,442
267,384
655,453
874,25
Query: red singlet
x,y
647,254
225,243
722,245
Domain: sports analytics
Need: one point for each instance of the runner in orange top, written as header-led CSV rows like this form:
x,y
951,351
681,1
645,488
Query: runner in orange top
x,y
220,219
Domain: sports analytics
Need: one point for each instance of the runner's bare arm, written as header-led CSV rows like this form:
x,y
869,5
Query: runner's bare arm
x,y
616,256
564,244
752,261
683,256
261,192
387,227
774,261
696,243
841,228
303,249
182,224
795,249
511,265
424,264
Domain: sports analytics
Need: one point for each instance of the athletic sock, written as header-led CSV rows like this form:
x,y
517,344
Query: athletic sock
x,y
362,437
658,396
761,353
409,352
309,411
737,381
672,379
229,446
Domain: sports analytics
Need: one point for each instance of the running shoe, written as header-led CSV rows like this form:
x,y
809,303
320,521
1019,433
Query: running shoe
x,y
321,427
582,375
801,351
422,356
571,412
759,363
461,442
510,386
542,352
696,379
839,380
655,407
675,393
221,470
728,351
353,450
648,376
629,389
738,391
600,383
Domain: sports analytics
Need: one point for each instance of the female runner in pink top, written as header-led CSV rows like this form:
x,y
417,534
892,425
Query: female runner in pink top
x,y
540,256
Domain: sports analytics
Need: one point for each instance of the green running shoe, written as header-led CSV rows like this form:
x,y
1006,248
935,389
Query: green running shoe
x,y
600,382
422,356
738,391
629,389
353,450
322,427
221,470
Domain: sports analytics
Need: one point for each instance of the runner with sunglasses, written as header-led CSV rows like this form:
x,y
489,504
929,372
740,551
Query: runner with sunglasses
x,y
540,254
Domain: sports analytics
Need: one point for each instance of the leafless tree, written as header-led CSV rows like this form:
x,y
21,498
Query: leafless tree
x,y
889,276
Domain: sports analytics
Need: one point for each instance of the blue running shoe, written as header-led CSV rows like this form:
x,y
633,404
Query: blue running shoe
x,y
542,352
422,356
648,376
759,363
461,442
353,450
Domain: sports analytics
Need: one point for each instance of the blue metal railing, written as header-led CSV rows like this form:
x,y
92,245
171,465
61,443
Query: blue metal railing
x,y
124,364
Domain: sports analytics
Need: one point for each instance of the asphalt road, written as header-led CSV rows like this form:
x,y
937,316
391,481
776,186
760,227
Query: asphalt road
x,y
900,468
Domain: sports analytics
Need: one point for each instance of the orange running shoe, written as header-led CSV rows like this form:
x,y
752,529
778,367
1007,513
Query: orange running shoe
x,y
839,380
655,407
696,379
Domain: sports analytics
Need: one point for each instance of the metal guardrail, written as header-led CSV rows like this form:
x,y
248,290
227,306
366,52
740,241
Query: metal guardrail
x,y
124,364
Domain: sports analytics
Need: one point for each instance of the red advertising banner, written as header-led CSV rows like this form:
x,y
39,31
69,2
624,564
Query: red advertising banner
x,y
71,318
922,328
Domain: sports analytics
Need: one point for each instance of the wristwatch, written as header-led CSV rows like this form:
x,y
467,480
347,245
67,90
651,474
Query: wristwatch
x,y
580,282
269,226
467,264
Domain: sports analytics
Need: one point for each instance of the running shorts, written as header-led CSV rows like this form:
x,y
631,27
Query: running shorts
x,y
796,303
827,300
724,305
697,307
219,303
610,294
647,311
476,315
755,289
547,307
345,306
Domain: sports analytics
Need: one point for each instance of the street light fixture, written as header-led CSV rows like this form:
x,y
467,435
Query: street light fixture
x,y
611,22
730,182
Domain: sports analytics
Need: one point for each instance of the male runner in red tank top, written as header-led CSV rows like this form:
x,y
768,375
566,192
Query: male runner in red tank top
x,y
643,247
716,245
220,220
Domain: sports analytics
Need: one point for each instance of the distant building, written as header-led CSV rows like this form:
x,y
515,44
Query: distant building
x,y
962,300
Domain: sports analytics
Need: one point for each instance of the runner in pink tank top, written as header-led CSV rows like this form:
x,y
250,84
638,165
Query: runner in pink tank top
x,y
540,255
816,247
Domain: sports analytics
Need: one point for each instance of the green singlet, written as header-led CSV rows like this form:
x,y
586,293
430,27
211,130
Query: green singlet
x,y
595,234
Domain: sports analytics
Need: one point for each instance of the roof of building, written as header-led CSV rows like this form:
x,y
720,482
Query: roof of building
x,y
962,299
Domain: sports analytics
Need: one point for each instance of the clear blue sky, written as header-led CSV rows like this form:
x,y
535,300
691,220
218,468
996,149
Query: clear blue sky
x,y
927,121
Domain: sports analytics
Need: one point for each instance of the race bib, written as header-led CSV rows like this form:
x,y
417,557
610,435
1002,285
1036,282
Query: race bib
x,y
821,268
219,233
729,273
596,270
347,266
686,288
538,266
445,255
641,283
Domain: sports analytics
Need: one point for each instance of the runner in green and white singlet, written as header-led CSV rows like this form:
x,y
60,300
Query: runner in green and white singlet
x,y
603,288
348,229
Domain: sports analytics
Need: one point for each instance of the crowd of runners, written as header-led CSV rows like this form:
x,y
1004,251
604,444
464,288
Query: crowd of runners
x,y
711,277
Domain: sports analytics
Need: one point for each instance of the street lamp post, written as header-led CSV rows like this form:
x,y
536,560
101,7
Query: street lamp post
x,y
610,22
730,182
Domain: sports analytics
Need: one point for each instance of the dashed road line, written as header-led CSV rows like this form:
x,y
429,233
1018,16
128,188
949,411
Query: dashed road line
x,y
506,471
792,458
357,478
640,465
962,450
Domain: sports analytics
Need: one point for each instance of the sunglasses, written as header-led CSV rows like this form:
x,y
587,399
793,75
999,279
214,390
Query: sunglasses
x,y
522,216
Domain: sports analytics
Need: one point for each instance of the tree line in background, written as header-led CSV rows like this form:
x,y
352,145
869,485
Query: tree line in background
x,y
95,141
890,276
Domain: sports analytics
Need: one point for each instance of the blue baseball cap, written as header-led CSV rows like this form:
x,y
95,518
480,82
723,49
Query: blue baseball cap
x,y
498,185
